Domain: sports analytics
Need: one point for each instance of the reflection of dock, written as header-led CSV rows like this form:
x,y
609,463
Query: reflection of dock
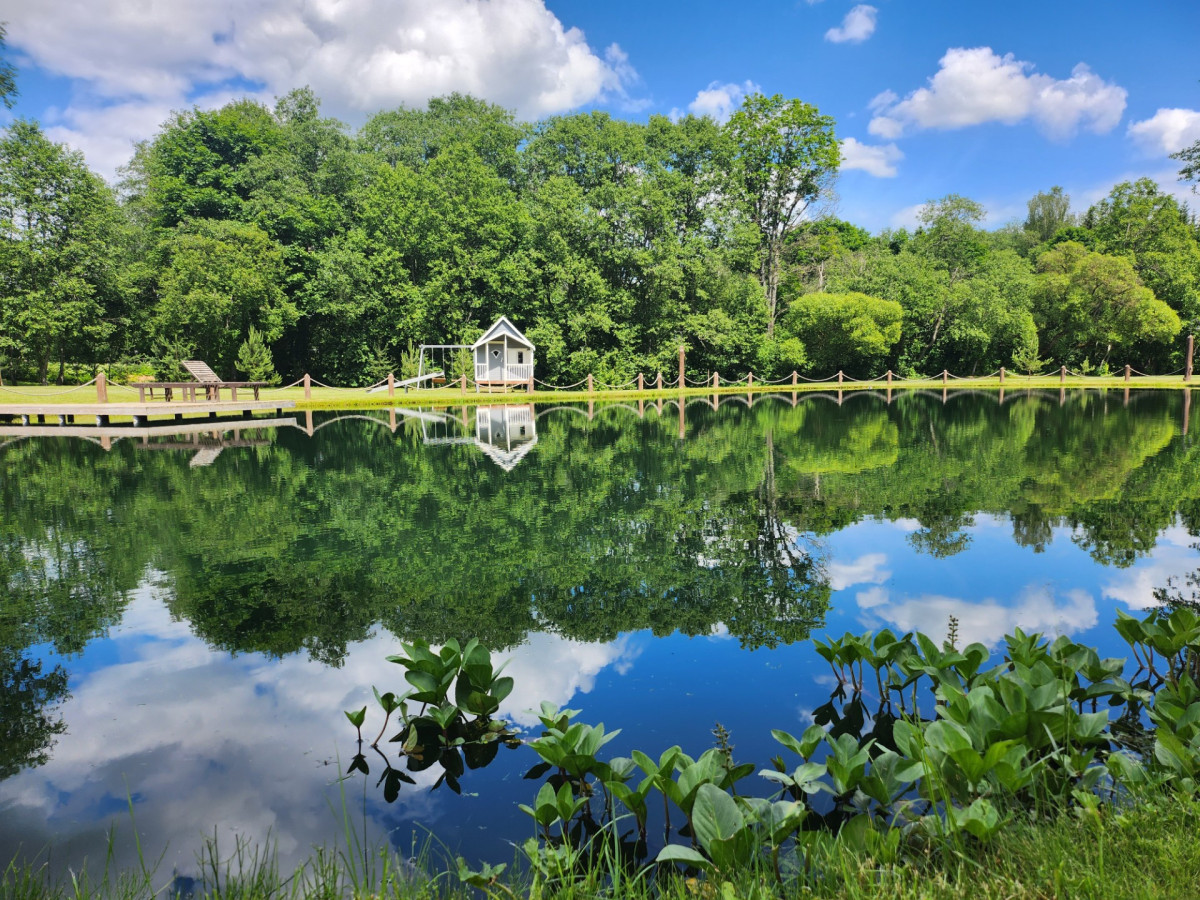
x,y
207,438
141,413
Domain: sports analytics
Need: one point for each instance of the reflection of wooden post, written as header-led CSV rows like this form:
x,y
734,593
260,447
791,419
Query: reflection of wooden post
x,y
682,382
1002,377
839,396
659,403
1187,409
679,403
391,384
308,422
101,388
641,382
943,395
392,420
591,410
1126,401
749,400
889,396
641,409
1062,396
1127,374
795,399
106,440
1002,395
307,386
1187,369
589,382
1062,374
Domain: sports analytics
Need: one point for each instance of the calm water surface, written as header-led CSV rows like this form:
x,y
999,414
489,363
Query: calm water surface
x,y
181,626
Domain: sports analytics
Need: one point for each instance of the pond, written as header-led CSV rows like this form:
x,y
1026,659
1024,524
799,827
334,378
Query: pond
x,y
184,620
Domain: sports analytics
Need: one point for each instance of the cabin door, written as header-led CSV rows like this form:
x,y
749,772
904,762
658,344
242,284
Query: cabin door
x,y
495,354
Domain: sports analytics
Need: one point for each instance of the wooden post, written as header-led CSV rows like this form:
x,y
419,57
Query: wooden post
x,y
945,377
839,382
641,382
462,387
101,387
794,377
1002,376
589,384
889,379
658,383
682,382
716,380
1062,374
1127,368
1187,369
391,384
749,381
307,386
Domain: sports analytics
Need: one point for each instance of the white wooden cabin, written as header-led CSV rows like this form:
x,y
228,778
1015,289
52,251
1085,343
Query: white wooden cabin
x,y
503,356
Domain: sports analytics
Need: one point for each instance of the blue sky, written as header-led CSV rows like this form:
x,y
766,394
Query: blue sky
x,y
991,100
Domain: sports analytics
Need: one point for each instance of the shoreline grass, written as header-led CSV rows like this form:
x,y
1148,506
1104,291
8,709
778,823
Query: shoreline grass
x,y
1147,850
325,398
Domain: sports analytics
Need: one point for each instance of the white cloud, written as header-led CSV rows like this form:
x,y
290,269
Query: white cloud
x,y
908,217
1173,558
989,620
878,160
718,100
249,746
358,55
866,569
1167,131
976,85
857,26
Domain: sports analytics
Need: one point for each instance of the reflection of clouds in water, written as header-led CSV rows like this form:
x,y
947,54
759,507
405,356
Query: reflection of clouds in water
x,y
986,621
547,667
867,569
1173,557
244,745
872,597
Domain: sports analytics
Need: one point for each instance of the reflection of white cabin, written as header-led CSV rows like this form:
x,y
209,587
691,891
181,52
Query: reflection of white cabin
x,y
505,433
503,356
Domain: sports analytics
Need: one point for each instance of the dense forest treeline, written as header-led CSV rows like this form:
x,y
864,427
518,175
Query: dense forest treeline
x,y
276,242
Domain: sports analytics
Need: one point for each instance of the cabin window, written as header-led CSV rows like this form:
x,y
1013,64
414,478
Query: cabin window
x,y
522,431
520,358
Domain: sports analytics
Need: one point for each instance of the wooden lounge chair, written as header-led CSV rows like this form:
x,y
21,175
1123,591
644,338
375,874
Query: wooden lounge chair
x,y
205,378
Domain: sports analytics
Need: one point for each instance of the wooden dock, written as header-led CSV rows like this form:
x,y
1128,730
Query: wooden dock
x,y
29,414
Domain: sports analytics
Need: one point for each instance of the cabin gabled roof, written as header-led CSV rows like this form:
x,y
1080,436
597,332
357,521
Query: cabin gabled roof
x,y
500,329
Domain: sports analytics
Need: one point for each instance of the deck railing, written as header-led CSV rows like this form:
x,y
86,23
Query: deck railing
x,y
515,372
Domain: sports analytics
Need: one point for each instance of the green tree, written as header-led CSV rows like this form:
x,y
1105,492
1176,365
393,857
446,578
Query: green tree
x,y
58,235
850,332
8,72
1048,212
254,359
1088,303
785,155
221,278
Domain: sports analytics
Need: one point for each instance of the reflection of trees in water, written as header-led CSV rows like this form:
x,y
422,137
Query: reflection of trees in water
x,y
608,526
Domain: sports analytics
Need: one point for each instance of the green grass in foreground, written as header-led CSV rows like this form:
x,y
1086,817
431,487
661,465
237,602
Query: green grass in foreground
x,y
1148,851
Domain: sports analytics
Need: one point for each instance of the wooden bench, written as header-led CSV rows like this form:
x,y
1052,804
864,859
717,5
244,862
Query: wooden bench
x,y
205,378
